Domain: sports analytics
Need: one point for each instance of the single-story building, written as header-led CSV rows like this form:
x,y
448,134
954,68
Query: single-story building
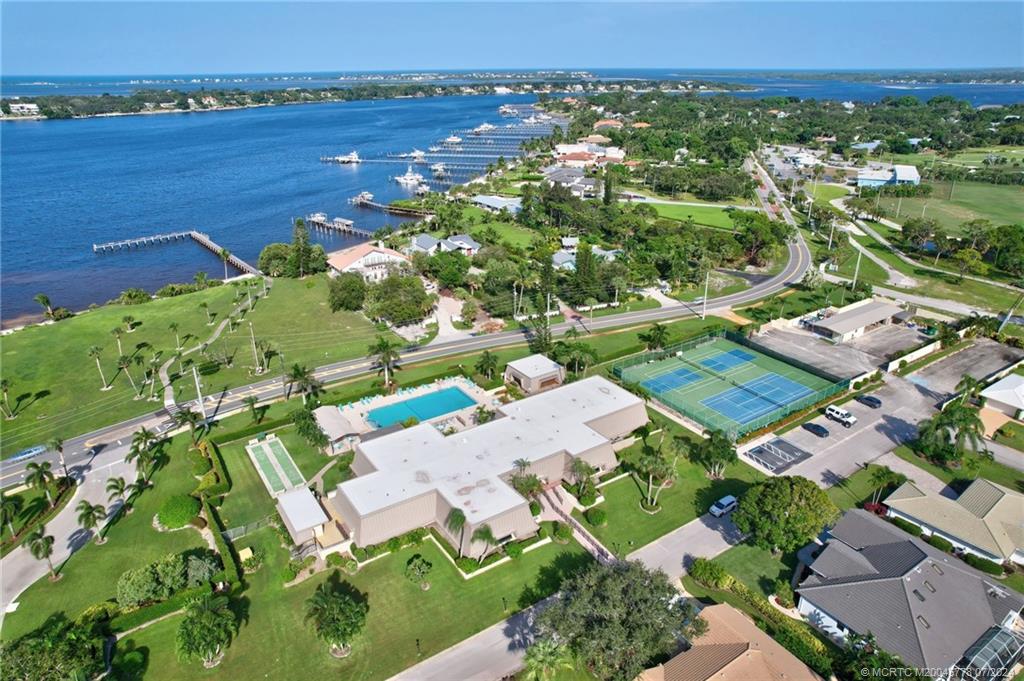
x,y
308,523
570,243
865,146
577,159
24,109
595,139
927,607
564,260
336,427
987,520
373,262
854,320
417,476
606,123
1006,396
880,177
496,204
425,243
534,373
732,649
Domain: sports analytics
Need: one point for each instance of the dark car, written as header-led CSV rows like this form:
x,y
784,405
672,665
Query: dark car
x,y
870,401
816,429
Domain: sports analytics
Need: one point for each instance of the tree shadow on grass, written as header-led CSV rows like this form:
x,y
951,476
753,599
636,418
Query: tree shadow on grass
x,y
550,576
130,662
20,403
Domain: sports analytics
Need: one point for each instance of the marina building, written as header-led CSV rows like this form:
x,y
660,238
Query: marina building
x,y
416,476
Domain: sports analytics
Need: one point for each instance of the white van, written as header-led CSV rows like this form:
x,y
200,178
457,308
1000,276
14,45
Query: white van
x,y
840,415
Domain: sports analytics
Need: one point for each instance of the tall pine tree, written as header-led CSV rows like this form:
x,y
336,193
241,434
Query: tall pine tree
x,y
298,259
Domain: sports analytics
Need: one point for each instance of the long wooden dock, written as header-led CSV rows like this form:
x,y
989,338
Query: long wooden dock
x,y
200,238
321,221
363,202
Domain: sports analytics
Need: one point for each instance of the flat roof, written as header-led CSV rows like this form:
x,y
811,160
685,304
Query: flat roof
x,y
850,319
301,509
535,366
465,467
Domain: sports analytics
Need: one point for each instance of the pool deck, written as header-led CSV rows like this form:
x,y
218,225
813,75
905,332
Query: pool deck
x,y
357,412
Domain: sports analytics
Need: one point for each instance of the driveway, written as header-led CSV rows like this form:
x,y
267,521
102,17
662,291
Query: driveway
x,y
983,358
705,537
448,309
877,431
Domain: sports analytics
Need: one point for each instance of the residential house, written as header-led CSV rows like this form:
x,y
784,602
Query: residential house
x,y
1006,396
564,260
732,649
371,261
866,146
416,476
570,243
496,204
921,604
424,243
608,123
577,159
463,243
986,520
640,125
595,139
24,109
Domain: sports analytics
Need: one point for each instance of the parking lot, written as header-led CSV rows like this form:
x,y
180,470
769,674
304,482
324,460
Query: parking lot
x,y
983,358
841,360
876,432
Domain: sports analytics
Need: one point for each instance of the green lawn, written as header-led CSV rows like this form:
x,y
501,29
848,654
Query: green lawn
x,y
629,527
701,215
757,568
61,395
90,575
248,500
30,500
797,303
687,196
824,193
627,306
973,156
990,470
721,285
274,636
971,200
508,232
854,491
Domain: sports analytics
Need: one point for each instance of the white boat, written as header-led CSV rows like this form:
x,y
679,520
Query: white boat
x,y
507,110
452,139
362,197
410,179
422,189
418,156
439,170
483,127
348,158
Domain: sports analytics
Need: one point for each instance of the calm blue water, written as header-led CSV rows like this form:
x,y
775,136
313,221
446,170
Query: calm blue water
x,y
423,408
240,176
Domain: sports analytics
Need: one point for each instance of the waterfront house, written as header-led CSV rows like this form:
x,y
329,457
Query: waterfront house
x,y
927,607
607,123
987,520
496,204
463,243
424,243
369,260
416,476
24,109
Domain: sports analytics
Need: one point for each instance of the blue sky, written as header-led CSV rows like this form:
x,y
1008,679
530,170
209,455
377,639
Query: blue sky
x,y
86,38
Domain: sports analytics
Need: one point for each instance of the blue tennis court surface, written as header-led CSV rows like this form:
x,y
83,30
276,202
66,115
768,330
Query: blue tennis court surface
x,y
756,398
423,408
676,378
727,360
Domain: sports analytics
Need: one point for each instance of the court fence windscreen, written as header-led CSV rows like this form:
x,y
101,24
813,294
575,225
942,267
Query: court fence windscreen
x,y
724,381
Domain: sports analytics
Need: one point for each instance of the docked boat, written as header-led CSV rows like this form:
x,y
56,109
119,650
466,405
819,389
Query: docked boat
x,y
361,197
418,156
439,170
348,158
410,179
482,128
435,148
422,189
507,110
452,139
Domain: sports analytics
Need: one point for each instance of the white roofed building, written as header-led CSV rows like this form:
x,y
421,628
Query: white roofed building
x,y
534,373
1006,395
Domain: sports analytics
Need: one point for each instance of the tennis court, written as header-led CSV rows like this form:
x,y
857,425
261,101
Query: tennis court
x,y
274,465
725,385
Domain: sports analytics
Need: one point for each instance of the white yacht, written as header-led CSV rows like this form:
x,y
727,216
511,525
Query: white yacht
x,y
348,158
435,148
362,197
422,189
439,170
452,139
418,156
410,179
482,128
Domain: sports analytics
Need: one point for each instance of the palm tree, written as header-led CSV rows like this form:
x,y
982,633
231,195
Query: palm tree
x,y
302,378
384,353
966,425
207,628
39,476
57,445
90,516
455,522
883,478
143,438
187,417
5,387
133,490
251,401
44,301
95,352
40,545
201,280
173,328
487,364
485,534
116,489
968,387
10,507
581,473
544,659
124,363
205,306
225,255
655,337
336,618
117,333
129,323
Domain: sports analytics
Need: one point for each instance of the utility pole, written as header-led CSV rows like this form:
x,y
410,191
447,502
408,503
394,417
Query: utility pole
x,y
1009,314
704,306
199,392
283,376
830,232
856,269
255,355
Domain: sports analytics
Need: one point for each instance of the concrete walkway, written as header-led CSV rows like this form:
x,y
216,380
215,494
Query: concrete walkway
x,y
664,300
1008,456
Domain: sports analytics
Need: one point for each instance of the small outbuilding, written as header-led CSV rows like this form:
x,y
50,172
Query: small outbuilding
x,y
855,320
336,427
302,515
534,373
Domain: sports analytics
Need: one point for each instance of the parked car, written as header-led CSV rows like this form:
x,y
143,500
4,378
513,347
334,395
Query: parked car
x,y
840,415
816,429
869,401
726,504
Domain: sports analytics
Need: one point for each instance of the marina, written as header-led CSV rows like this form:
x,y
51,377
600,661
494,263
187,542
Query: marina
x,y
322,222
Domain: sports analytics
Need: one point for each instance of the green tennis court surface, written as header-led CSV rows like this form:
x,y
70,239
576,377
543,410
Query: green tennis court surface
x,y
725,385
275,465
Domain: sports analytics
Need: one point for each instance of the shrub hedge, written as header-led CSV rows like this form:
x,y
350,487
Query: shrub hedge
x,y
130,620
597,517
908,527
983,564
940,543
177,511
232,573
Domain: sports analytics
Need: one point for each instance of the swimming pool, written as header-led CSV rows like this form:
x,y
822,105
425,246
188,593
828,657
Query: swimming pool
x,y
422,408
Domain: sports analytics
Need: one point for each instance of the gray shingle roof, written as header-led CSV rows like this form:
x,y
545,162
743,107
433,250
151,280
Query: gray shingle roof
x,y
920,603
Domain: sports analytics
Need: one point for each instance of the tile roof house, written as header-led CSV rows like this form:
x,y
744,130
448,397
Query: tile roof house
x,y
986,520
607,123
373,262
732,649
921,604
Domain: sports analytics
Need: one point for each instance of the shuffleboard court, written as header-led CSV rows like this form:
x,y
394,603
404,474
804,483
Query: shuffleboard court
x,y
266,469
726,383
275,466
285,463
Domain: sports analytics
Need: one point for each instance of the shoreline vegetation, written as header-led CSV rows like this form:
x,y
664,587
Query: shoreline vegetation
x,y
152,101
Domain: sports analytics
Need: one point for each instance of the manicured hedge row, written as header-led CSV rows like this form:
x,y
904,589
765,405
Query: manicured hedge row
x,y
215,482
227,554
364,553
908,527
254,429
982,564
135,618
